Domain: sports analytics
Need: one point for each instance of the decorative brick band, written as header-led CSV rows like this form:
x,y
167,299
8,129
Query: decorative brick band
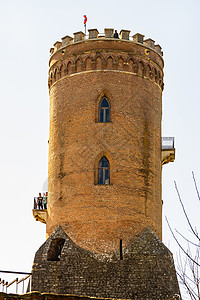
x,y
106,61
118,71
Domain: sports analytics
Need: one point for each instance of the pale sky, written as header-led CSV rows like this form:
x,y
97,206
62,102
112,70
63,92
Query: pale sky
x,y
28,30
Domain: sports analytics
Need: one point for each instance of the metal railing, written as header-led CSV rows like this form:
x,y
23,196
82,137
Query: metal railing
x,y
167,143
5,284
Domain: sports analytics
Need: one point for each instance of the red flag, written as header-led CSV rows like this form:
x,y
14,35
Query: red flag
x,y
85,19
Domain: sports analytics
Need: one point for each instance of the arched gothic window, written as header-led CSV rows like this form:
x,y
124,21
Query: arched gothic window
x,y
104,171
104,111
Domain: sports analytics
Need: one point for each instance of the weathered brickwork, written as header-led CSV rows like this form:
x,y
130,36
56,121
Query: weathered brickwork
x,y
96,216
145,270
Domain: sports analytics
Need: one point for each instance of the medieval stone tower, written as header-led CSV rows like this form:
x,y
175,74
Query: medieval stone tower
x,y
104,212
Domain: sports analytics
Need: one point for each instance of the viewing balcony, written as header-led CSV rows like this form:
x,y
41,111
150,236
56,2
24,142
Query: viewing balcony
x,y
40,209
168,150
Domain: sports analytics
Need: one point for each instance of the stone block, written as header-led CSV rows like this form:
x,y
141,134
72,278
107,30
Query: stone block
x,y
158,49
93,33
57,45
138,38
149,43
51,51
66,40
79,36
124,34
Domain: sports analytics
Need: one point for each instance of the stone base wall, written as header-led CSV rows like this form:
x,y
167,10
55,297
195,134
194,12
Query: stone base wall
x,y
144,269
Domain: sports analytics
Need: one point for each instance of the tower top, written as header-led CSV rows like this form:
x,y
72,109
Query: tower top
x,y
108,34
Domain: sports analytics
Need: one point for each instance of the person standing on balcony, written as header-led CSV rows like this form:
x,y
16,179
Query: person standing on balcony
x,y
40,198
44,201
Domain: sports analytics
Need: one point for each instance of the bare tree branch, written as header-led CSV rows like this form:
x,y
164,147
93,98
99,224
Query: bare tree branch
x,y
180,244
195,184
186,281
188,268
194,244
188,220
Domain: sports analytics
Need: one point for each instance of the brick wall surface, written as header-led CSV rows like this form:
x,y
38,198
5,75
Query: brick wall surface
x,y
145,270
96,217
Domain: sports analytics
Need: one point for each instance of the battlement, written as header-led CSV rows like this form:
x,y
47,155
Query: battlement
x,y
98,52
108,34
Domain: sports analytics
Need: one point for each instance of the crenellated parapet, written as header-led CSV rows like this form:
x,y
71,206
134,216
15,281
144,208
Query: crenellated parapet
x,y
102,52
108,33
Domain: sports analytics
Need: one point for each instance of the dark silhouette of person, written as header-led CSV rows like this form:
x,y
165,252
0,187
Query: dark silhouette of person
x,y
40,198
116,35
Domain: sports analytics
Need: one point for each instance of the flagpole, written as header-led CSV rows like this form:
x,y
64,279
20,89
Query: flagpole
x,y
85,21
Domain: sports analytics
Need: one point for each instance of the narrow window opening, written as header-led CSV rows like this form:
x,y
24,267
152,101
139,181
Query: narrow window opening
x,y
104,111
121,253
104,171
55,249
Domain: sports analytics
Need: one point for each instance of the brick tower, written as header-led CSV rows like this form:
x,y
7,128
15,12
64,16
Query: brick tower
x,y
105,160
